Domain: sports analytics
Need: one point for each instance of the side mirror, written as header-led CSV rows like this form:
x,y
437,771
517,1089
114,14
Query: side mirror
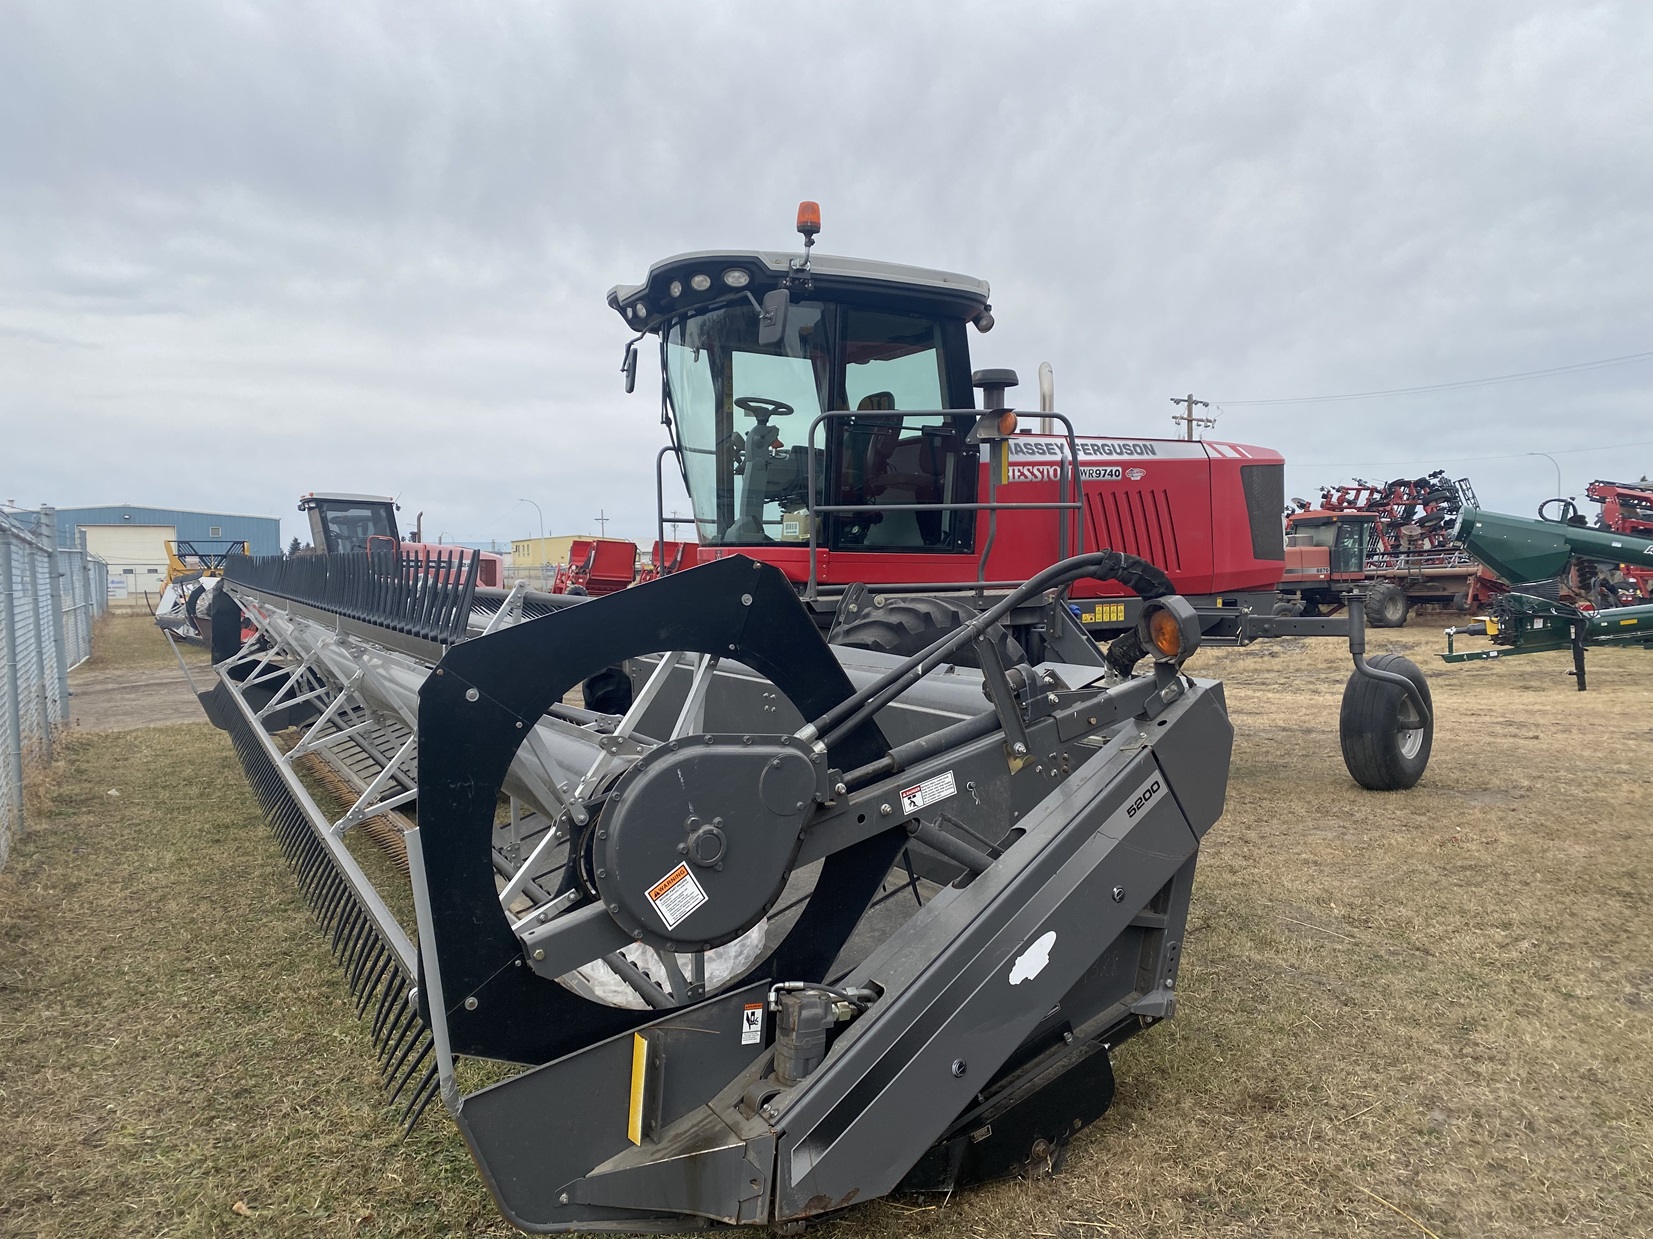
x,y
772,322
629,367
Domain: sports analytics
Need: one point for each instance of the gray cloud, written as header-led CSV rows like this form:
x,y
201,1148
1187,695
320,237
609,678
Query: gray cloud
x,y
247,251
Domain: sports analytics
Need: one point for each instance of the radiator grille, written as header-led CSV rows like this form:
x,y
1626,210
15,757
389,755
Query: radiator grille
x,y
1265,502
1138,521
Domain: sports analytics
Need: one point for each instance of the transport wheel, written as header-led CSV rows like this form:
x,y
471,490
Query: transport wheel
x,y
904,626
1386,605
199,621
608,692
1385,743
1288,609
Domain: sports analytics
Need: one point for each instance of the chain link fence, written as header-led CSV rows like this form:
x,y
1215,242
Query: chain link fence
x,y
50,597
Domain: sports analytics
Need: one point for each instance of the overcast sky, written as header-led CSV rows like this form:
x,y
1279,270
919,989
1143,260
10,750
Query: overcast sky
x,y
250,250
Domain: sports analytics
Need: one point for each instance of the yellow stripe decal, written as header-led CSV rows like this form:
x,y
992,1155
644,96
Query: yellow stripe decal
x,y
639,1068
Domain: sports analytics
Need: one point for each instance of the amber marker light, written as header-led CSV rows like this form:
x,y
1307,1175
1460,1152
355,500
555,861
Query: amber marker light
x,y
809,218
1165,633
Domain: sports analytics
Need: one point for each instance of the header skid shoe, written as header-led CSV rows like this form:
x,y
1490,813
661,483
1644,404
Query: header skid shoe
x,y
759,961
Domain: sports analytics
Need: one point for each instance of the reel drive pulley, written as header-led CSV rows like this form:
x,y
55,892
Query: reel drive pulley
x,y
800,926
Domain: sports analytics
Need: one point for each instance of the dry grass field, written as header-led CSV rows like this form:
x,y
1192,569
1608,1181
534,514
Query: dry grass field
x,y
1420,1013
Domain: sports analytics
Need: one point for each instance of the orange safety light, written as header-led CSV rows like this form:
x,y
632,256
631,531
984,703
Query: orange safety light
x,y
809,218
1007,423
1165,633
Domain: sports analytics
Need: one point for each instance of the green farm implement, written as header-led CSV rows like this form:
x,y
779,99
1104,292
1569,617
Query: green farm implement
x,y
1534,617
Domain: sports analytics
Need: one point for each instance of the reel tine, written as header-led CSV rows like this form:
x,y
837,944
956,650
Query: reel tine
x,y
329,894
312,883
367,956
422,1096
335,894
373,971
406,1022
389,994
355,945
370,980
406,1073
354,921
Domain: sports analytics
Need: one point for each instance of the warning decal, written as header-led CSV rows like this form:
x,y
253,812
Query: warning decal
x,y
1103,613
751,1024
676,895
929,792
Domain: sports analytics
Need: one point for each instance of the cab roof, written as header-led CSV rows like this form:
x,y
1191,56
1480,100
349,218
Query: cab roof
x,y
338,496
733,273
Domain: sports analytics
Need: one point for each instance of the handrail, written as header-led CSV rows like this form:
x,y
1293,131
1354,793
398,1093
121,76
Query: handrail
x,y
660,496
1068,475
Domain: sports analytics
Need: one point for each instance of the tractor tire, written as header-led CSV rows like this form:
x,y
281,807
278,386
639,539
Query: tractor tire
x,y
1385,745
904,626
1386,605
1288,610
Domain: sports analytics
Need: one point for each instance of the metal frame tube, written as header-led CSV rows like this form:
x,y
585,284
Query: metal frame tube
x,y
992,506
14,704
54,591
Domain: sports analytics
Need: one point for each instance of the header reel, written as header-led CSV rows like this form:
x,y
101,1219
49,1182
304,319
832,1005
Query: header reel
x,y
797,927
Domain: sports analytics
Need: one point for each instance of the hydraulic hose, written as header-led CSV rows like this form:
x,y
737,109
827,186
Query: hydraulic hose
x,y
1140,575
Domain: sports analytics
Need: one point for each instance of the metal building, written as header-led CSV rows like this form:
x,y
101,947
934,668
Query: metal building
x,y
133,539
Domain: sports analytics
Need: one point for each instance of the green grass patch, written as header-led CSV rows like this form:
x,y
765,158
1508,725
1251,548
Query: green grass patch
x,y
1422,1011
174,1037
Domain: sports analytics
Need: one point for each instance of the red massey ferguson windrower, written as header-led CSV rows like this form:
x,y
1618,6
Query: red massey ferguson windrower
x,y
832,428
824,417
801,921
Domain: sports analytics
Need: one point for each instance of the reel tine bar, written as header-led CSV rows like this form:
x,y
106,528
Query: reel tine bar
x,y
376,977
427,596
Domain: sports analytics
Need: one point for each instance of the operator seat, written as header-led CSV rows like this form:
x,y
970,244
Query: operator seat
x,y
879,476
883,437
902,472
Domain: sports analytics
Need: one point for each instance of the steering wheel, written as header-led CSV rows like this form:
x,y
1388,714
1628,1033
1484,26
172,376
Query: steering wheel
x,y
761,407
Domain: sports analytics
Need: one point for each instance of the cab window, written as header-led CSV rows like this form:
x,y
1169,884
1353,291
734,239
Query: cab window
x,y
900,450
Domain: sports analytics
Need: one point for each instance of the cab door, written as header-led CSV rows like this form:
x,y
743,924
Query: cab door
x,y
1349,551
899,451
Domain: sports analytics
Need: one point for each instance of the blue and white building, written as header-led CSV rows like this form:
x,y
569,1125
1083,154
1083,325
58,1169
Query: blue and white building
x,y
132,540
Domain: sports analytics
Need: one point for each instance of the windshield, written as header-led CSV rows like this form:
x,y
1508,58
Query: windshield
x,y
347,527
732,397
743,411
1313,535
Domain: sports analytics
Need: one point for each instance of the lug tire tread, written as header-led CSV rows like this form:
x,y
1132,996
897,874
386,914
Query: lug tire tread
x,y
1369,730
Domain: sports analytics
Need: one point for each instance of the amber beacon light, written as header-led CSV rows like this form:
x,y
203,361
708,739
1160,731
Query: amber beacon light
x,y
809,218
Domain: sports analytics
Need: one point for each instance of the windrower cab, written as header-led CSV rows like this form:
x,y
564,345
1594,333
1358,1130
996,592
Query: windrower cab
x,y
824,416
342,523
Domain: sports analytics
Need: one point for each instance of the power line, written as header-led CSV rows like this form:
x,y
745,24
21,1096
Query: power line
x,y
1188,418
1575,368
1461,460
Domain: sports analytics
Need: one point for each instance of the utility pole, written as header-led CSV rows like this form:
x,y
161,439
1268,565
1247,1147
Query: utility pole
x,y
1188,419
602,524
